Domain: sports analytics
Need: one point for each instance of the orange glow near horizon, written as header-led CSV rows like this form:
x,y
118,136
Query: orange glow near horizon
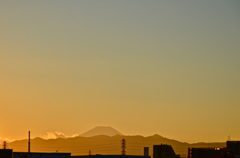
x,y
143,68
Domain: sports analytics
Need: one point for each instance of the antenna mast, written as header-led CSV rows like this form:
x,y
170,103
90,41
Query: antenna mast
x,y
29,141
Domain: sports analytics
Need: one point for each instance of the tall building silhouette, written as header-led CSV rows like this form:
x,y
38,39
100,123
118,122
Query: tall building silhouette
x,y
163,151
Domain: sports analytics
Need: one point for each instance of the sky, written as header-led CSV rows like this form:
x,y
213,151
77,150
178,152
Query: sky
x,y
142,67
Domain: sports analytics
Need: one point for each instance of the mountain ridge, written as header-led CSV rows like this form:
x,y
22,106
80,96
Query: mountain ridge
x,y
103,144
102,140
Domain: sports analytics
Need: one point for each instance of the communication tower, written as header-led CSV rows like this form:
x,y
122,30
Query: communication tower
x,y
123,147
4,145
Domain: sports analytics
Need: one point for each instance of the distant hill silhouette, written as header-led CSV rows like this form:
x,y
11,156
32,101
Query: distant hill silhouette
x,y
101,130
103,144
104,140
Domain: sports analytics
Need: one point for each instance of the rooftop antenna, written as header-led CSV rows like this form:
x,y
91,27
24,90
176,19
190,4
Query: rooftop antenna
x,y
123,147
229,138
29,141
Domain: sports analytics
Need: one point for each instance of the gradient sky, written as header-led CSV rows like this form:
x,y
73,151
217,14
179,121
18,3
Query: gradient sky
x,y
142,67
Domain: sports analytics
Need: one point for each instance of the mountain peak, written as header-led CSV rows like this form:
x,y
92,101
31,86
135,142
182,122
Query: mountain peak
x,y
101,130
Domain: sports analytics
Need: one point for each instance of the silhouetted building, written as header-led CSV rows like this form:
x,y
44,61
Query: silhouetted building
x,y
208,153
146,151
6,153
110,156
234,148
40,155
232,151
163,151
